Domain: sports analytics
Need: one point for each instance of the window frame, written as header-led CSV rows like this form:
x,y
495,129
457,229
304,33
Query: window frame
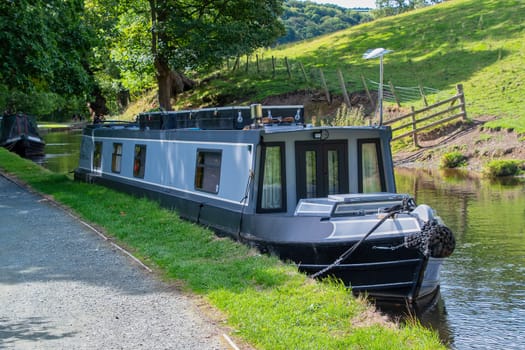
x,y
380,165
116,155
141,157
283,207
96,164
204,167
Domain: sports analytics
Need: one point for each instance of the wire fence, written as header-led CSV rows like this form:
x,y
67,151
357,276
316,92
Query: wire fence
x,y
335,82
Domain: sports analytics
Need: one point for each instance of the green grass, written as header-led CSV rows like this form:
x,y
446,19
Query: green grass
x,y
477,43
503,167
452,159
267,303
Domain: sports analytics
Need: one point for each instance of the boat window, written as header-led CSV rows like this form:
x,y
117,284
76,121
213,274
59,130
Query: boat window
x,y
272,196
116,157
371,174
97,156
333,171
311,173
208,170
139,161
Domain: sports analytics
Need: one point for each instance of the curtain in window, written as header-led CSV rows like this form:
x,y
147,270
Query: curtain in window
x,y
311,174
370,167
272,182
333,172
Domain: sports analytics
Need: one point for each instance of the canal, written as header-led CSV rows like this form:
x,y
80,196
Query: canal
x,y
482,302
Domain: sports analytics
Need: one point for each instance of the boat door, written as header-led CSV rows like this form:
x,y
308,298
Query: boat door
x,y
321,168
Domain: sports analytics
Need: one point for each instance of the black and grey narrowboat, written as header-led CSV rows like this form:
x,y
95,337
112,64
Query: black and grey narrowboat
x,y
322,197
19,134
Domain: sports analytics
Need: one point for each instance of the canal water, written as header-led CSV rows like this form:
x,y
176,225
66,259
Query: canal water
x,y
482,302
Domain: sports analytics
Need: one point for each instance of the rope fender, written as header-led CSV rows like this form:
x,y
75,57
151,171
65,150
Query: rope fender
x,y
434,239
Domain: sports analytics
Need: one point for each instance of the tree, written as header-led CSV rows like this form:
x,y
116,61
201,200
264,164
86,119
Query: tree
x,y
44,53
394,7
306,19
195,33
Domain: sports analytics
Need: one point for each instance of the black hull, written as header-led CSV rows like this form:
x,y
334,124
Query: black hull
x,y
25,148
383,275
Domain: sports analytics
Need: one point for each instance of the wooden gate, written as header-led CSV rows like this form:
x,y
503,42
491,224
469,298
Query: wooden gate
x,y
441,112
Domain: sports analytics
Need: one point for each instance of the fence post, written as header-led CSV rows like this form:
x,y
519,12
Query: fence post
x,y
247,62
288,68
414,126
394,93
368,92
273,67
304,72
423,95
461,95
343,88
325,87
257,63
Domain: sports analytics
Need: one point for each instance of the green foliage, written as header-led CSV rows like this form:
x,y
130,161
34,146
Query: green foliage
x,y
503,167
267,302
45,51
453,160
305,19
345,116
395,7
194,34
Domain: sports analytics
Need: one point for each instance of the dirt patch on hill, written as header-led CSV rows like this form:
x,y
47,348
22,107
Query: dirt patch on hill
x,y
478,144
318,105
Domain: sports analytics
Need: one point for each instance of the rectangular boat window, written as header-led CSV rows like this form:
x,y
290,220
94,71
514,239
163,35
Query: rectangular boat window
x,y
370,171
272,196
311,174
139,161
333,171
97,156
208,170
116,158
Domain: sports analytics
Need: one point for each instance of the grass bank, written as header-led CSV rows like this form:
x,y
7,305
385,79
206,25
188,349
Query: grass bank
x,y
267,303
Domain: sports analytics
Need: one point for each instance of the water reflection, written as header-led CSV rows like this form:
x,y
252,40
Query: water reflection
x,y
483,282
62,151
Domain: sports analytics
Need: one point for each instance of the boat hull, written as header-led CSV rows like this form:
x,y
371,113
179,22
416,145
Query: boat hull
x,y
25,146
392,276
398,276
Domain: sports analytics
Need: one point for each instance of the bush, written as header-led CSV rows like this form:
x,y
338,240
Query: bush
x,y
453,160
503,167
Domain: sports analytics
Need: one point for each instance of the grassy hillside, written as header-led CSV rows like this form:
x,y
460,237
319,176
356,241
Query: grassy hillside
x,y
478,43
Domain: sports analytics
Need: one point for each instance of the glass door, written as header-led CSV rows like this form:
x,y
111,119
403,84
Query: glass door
x,y
321,167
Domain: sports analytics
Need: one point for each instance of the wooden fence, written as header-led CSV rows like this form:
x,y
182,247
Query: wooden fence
x,y
440,112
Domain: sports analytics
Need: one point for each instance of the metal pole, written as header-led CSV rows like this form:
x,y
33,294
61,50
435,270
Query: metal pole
x,y
381,90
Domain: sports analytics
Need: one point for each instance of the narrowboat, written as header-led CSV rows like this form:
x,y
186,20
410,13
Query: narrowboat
x,y
19,134
322,197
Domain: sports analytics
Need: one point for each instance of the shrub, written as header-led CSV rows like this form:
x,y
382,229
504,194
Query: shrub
x,y
502,167
453,160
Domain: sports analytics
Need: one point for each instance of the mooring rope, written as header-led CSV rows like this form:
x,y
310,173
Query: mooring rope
x,y
349,251
434,239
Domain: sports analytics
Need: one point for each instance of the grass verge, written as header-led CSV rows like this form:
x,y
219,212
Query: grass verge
x,y
267,303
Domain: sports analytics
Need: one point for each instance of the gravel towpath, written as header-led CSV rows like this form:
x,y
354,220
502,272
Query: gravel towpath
x,y
64,287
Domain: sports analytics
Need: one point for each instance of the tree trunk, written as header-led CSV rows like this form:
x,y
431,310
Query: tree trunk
x,y
164,83
170,82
